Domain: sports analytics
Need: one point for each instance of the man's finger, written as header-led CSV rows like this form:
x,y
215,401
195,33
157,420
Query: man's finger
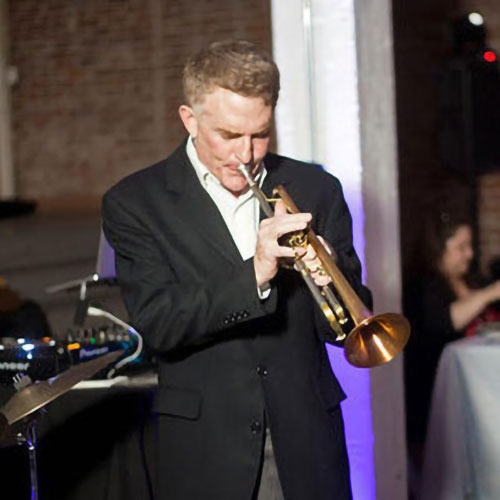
x,y
285,252
322,280
280,208
310,254
289,226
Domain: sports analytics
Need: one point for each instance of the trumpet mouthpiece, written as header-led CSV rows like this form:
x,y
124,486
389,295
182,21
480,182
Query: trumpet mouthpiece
x,y
244,170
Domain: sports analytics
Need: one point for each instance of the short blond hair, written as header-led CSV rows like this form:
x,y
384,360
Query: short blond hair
x,y
235,65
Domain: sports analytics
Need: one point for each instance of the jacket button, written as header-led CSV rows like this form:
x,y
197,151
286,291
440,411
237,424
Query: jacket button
x,y
256,427
262,371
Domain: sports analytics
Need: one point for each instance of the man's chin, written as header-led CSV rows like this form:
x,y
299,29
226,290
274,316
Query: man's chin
x,y
236,187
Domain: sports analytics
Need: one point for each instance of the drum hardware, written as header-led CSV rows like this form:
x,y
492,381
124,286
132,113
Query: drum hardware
x,y
25,406
81,284
38,358
47,357
375,338
85,308
97,312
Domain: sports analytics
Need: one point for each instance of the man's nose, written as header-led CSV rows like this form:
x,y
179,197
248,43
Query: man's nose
x,y
245,150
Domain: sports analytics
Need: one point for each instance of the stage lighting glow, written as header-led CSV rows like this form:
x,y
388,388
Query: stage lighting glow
x,y
489,56
476,19
28,347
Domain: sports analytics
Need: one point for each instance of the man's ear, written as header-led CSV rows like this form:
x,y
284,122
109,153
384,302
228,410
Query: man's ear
x,y
189,119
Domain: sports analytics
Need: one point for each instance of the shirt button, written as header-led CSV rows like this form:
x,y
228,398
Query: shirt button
x,y
256,427
262,371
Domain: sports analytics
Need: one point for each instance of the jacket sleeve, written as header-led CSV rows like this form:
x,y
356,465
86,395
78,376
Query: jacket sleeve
x,y
171,311
337,231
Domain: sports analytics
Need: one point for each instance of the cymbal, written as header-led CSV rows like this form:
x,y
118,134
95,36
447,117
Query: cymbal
x,y
36,395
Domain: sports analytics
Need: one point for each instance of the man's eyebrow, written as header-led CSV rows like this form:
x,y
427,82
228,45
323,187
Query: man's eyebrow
x,y
225,131
265,130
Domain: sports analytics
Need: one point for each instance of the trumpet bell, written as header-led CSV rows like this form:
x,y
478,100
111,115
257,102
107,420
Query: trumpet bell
x,y
376,340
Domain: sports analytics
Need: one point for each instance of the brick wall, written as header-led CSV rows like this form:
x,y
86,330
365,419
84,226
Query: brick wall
x,y
422,42
489,184
489,211
99,85
99,90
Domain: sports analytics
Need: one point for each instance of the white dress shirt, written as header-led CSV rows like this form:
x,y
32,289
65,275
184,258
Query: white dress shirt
x,y
241,214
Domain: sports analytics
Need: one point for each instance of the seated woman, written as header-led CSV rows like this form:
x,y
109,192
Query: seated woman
x,y
448,303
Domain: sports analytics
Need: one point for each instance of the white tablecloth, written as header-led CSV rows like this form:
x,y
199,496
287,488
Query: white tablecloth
x,y
462,456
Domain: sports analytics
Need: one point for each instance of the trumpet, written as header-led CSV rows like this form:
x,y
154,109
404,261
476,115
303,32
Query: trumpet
x,y
375,338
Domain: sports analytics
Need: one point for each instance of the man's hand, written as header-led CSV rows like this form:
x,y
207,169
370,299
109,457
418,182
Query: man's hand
x,y
313,263
268,250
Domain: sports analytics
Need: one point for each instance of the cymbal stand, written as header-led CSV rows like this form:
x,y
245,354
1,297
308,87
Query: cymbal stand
x,y
23,408
28,436
31,440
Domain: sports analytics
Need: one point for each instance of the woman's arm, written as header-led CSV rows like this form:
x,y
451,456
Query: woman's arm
x,y
465,309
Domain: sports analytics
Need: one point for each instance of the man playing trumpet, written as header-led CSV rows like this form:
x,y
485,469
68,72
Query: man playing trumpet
x,y
248,405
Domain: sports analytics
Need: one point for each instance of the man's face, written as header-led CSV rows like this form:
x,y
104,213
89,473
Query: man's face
x,y
229,129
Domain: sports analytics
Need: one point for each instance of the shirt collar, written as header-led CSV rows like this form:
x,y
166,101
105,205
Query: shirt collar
x,y
205,176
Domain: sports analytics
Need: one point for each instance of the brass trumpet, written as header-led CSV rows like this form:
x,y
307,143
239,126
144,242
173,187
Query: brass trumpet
x,y
375,339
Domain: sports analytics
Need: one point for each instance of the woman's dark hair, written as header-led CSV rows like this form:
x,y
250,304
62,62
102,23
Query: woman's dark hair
x,y
437,232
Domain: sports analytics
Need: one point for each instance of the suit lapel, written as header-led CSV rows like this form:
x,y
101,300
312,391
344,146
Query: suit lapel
x,y
274,177
196,207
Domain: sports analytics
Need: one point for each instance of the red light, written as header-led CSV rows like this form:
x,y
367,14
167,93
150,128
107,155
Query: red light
x,y
489,56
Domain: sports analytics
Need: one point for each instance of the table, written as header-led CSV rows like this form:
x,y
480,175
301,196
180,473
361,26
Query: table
x,y
462,455
94,443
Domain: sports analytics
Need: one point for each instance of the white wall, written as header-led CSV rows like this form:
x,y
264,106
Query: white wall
x,y
382,256
343,118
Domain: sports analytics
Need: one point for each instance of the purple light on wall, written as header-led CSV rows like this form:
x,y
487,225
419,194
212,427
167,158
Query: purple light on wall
x,y
318,117
356,409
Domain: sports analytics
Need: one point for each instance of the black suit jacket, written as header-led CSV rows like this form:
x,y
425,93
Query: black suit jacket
x,y
231,363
